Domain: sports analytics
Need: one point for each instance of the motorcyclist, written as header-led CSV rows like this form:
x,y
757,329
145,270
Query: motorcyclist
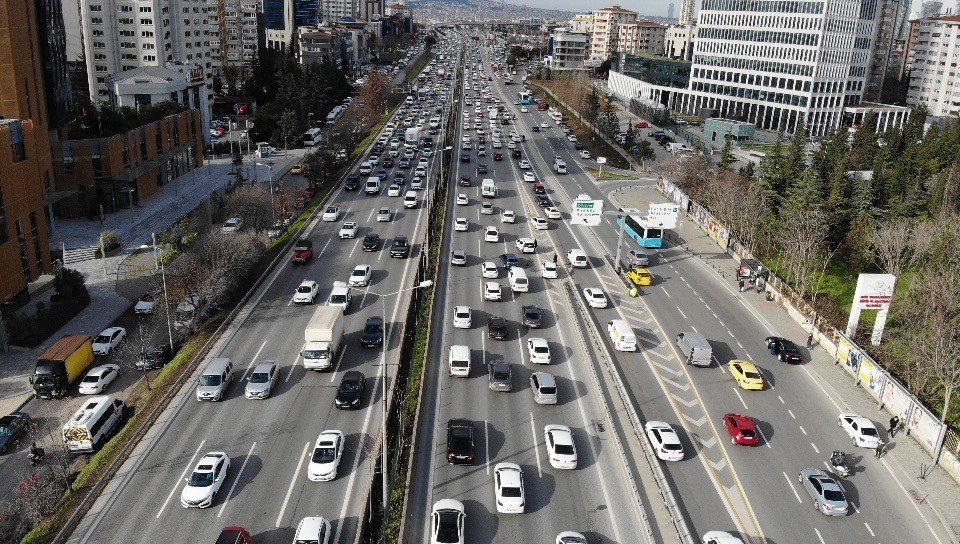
x,y
36,454
838,459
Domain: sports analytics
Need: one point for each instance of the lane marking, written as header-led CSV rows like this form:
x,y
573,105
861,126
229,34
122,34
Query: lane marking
x,y
802,430
790,485
333,373
681,312
741,400
293,481
180,479
869,530
293,366
815,448
765,441
819,536
253,361
789,411
236,480
486,443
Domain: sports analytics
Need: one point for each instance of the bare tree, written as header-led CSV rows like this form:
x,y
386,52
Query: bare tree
x,y
372,98
255,205
902,243
802,238
693,174
38,494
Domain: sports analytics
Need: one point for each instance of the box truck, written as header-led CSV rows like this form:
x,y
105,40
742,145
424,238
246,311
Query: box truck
x,y
322,338
61,365
411,138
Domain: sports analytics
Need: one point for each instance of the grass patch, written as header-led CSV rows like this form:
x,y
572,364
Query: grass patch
x,y
756,146
414,71
608,175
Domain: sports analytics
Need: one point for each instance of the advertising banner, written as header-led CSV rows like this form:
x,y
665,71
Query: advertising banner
x,y
896,399
847,354
871,377
707,222
924,427
673,193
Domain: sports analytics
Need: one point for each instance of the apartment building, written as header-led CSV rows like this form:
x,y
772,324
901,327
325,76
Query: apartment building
x,y
334,10
237,30
582,23
688,12
933,56
891,32
679,40
24,153
606,30
641,36
120,35
566,50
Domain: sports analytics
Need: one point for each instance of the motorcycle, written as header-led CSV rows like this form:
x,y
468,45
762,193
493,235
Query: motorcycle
x,y
35,455
838,462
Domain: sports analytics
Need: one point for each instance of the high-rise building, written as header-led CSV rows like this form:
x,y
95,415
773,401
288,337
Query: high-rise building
x,y
606,30
582,23
679,40
333,10
891,31
688,12
24,152
641,36
933,51
53,51
930,9
237,31
670,11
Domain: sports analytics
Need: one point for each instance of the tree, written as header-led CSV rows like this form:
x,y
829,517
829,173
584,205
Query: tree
x,y
901,243
726,155
645,152
253,204
321,167
864,146
289,128
592,110
773,174
693,174
630,139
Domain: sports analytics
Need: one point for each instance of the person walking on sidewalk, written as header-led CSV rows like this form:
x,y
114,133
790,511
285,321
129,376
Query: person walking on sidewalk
x,y
810,341
879,449
894,425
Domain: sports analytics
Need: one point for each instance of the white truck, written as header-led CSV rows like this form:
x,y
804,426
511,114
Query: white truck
x,y
411,137
559,165
488,188
322,338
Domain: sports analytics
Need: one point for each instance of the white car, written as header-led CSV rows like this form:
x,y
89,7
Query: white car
x,y
327,452
539,223
331,214
393,190
108,340
552,212
523,109
462,317
584,154
664,441
384,215
145,304
496,144
98,379
572,137
490,270
314,530
529,177
539,351
491,291
860,429
447,522
595,297
234,224
508,487
571,537
458,258
306,292
491,234
348,230
486,208
360,277
561,451
720,537
544,125
548,269
511,144
461,224
508,216
462,200
205,480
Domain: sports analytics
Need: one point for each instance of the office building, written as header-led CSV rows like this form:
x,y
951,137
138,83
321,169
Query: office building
x,y
641,36
606,30
890,36
670,11
319,44
930,9
238,30
24,153
566,50
53,50
654,69
933,56
679,40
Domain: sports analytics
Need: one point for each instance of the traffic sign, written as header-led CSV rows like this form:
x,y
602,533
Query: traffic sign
x,y
586,211
663,215
601,160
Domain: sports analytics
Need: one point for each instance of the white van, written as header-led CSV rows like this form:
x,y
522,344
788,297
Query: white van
x,y
526,245
215,379
459,361
577,258
518,280
559,166
695,348
340,295
372,186
93,423
621,335
366,168
410,199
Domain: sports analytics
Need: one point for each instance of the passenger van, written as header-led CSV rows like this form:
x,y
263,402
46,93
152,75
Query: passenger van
x,y
518,280
366,167
93,423
372,186
215,379
544,387
577,258
340,295
695,348
410,199
459,361
621,335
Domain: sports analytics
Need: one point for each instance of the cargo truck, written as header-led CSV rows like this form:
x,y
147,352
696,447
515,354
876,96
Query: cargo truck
x,y
61,365
322,338
411,138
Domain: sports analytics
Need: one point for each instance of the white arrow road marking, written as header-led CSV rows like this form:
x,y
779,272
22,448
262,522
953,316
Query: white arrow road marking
x,y
695,422
685,402
680,386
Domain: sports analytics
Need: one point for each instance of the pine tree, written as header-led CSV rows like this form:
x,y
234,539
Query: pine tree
x,y
726,155
773,179
795,162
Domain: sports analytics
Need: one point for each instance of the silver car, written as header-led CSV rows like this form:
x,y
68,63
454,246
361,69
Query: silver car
x,y
260,382
501,376
827,494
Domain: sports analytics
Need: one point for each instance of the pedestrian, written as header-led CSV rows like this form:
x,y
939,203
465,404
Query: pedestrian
x,y
810,340
879,449
740,284
894,424
554,258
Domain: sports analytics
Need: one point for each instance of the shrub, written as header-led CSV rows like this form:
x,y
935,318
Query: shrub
x,y
109,240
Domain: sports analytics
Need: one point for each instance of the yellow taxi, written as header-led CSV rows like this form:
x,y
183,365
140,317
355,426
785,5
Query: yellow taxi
x,y
297,169
640,276
747,374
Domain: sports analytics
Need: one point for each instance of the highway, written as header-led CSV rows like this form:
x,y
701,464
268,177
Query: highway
x,y
751,492
270,441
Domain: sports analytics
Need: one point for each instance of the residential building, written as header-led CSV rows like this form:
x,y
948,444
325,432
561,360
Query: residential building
x,y
931,9
120,35
24,153
117,170
151,85
53,51
679,40
606,29
582,23
238,30
891,30
318,44
688,12
933,56
371,10
566,50
641,36
334,10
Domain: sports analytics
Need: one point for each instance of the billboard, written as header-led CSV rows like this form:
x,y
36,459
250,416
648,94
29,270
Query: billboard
x,y
874,292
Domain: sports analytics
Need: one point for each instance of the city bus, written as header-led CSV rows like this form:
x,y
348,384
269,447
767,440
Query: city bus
x,y
311,137
525,97
635,226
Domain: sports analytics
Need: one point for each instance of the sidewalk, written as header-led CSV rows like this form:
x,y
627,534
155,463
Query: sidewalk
x,y
937,496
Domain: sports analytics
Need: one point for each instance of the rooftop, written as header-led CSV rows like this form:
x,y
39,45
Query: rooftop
x,y
616,9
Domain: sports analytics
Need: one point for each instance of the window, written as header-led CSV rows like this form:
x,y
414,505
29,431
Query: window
x,y
149,58
95,7
146,9
124,9
100,56
17,147
125,20
127,33
22,241
146,21
96,20
147,46
97,32
146,34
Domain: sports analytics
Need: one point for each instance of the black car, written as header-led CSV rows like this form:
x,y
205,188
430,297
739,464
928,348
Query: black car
x,y
515,153
464,157
11,428
352,183
481,169
497,328
388,162
465,181
498,156
399,178
508,260
785,350
350,391
460,442
371,242
577,145
153,357
532,317
536,128
400,247
372,335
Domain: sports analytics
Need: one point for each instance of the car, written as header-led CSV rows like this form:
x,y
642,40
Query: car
x,y
584,154
531,317
548,269
404,163
327,451
306,292
98,378
108,340
261,380
571,537
524,164
509,260
393,190
462,317
636,257
539,223
384,215
489,270
311,530
458,257
785,350
523,109
381,174
145,305
539,189
860,429
498,156
360,277
416,183
825,492
508,488
352,183
371,242
640,276
388,162
372,334
462,199
350,390
400,247
234,224
12,427
500,376
595,297
399,178
461,224
447,520
348,230
529,177
486,208
153,356
742,429
535,128
496,144
572,137
720,537
746,374
205,481
492,291
491,234
543,201
552,212
544,125
664,440
561,451
331,214
539,350
464,157
461,442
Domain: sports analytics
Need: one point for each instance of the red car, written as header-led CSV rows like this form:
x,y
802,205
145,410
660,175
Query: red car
x,y
302,251
641,124
234,534
742,429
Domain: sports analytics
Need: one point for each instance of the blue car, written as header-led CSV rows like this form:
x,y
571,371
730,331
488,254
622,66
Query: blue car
x,y
382,174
